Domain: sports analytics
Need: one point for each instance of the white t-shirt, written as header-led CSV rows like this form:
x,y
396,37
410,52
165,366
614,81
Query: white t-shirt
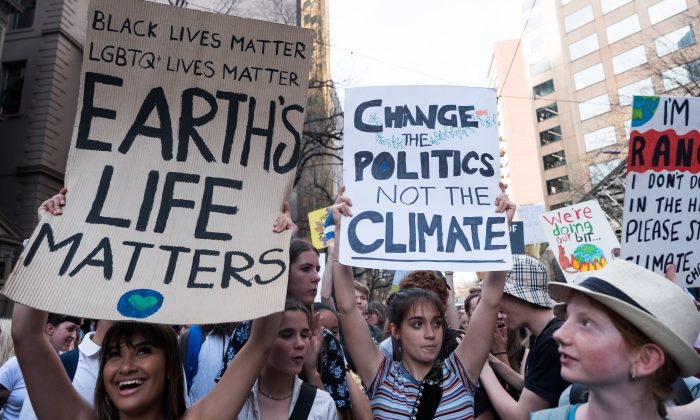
x,y
322,409
211,356
11,378
85,377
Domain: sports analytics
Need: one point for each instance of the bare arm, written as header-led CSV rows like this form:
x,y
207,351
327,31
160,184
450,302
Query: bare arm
x,y
49,388
452,313
505,405
361,408
227,398
504,371
327,283
363,351
4,395
476,344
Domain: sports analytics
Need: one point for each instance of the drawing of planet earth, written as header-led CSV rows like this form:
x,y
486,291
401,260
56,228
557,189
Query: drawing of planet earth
x,y
588,257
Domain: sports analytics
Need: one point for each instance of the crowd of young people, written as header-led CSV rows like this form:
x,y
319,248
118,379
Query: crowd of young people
x,y
624,336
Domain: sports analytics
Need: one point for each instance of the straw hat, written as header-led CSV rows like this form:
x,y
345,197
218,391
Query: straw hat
x,y
528,281
655,305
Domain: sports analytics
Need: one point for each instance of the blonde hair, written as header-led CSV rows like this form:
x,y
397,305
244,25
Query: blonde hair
x,y
7,346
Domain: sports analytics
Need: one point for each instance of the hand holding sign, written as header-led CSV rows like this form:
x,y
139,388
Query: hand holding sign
x,y
284,220
503,203
53,205
341,207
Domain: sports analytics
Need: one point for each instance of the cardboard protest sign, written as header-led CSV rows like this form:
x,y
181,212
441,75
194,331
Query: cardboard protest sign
x,y
322,227
530,216
185,143
421,165
517,238
581,238
662,200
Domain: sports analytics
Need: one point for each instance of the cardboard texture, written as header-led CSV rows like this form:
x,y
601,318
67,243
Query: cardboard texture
x,y
662,205
321,228
421,165
184,148
581,238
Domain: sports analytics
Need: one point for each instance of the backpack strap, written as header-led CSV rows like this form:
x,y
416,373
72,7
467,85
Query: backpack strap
x,y
193,345
681,393
69,360
307,395
578,394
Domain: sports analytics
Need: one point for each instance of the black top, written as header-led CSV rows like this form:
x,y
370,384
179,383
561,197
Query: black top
x,y
543,368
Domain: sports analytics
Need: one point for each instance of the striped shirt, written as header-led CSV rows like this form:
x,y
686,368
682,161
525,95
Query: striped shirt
x,y
394,391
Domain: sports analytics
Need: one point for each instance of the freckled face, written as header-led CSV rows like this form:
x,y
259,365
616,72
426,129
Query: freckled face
x,y
304,278
592,350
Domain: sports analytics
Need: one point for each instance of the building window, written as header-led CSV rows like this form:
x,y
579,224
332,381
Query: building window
x,y
540,67
674,41
642,87
12,81
560,205
557,185
681,75
594,106
24,19
608,6
623,29
534,23
629,59
665,9
601,170
589,76
578,18
543,89
554,160
535,45
550,136
547,112
600,138
583,47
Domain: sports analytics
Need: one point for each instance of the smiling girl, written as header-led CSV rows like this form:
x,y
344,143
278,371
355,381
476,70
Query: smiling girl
x,y
140,374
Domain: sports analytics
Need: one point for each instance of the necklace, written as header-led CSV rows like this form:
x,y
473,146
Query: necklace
x,y
273,397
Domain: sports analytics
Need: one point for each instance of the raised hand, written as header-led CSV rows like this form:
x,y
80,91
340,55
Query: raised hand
x,y
284,220
341,206
53,205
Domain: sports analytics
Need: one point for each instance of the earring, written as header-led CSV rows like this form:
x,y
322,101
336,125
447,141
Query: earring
x,y
633,374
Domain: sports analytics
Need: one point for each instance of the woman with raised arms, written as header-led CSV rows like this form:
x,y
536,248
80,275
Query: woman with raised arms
x,y
419,386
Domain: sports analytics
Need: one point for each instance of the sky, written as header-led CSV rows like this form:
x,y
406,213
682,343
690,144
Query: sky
x,y
417,42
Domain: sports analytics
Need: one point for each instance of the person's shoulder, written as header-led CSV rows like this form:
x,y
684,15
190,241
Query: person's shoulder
x,y
10,365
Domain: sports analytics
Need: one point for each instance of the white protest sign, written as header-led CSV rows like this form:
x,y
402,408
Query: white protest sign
x,y
185,144
662,198
421,165
530,216
581,238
